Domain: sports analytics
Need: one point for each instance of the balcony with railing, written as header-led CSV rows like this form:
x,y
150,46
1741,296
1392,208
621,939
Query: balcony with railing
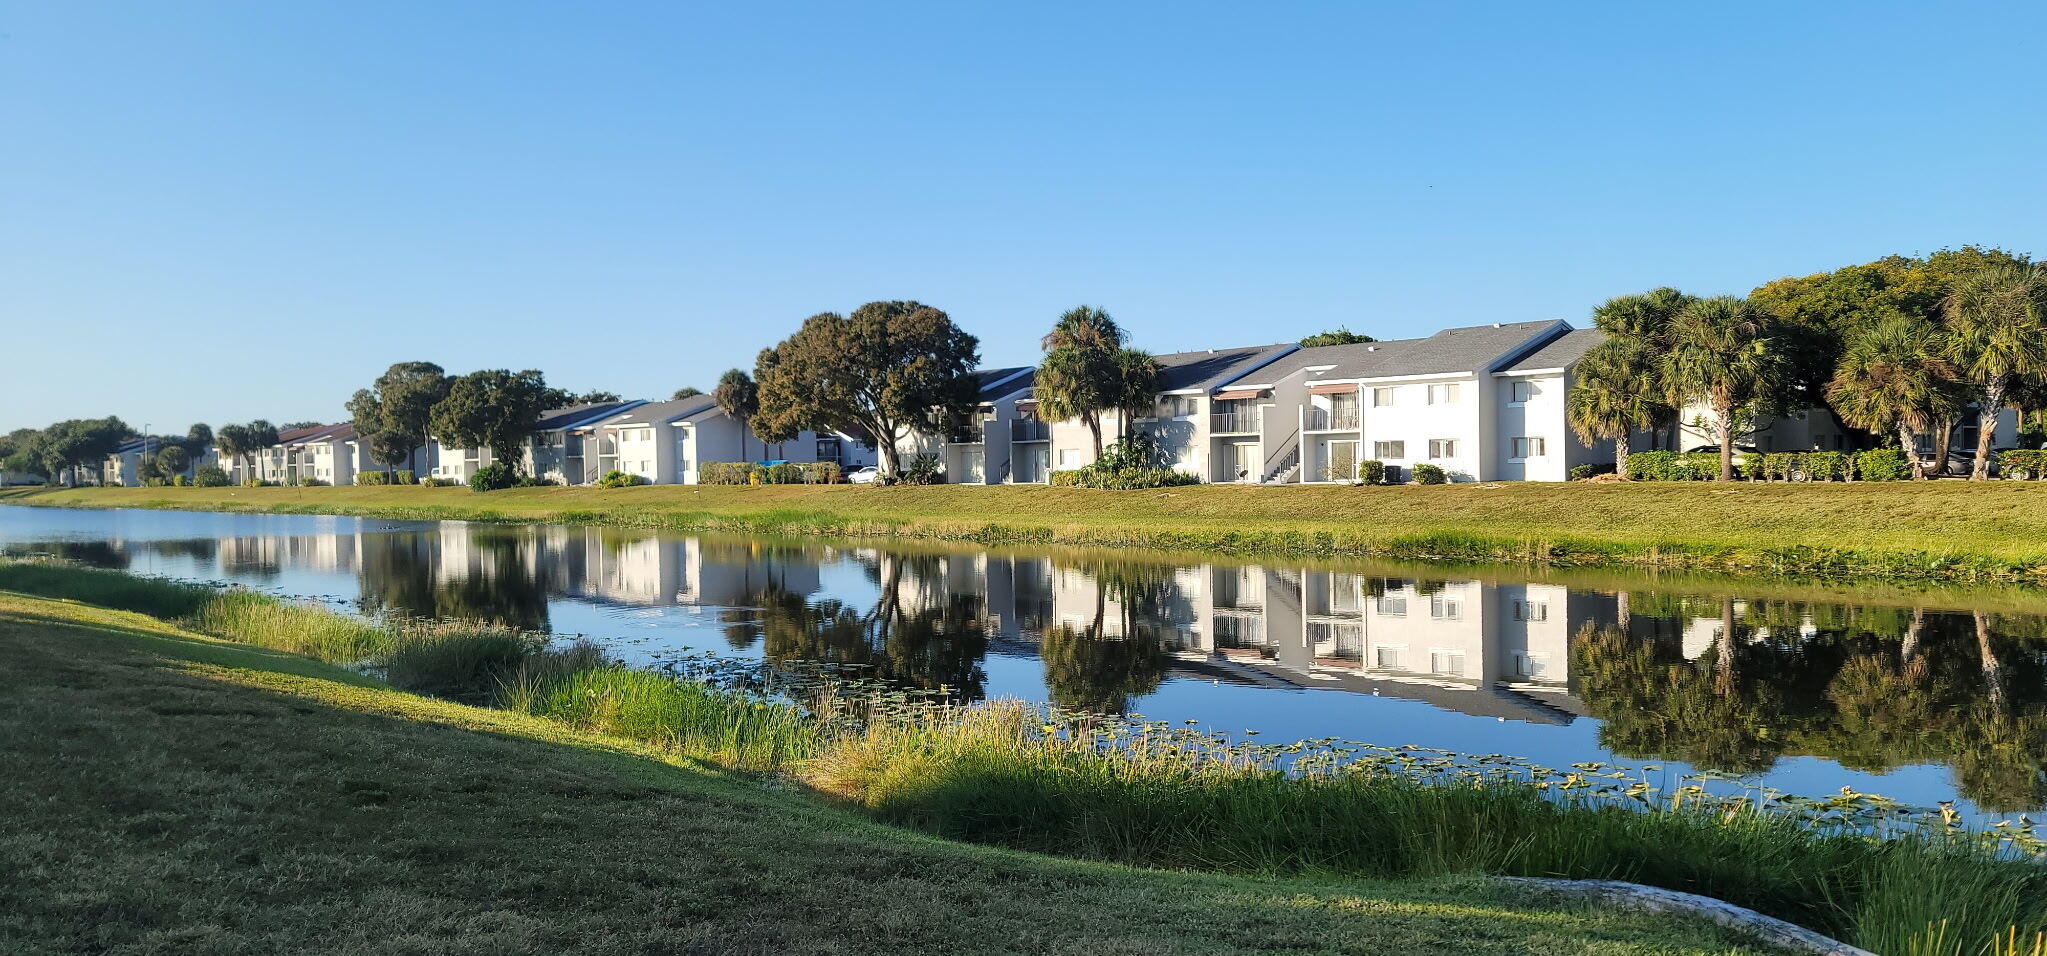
x,y
1236,423
1029,429
972,433
1339,419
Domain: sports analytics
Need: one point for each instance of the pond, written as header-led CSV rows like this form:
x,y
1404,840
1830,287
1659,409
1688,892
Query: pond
x,y
1923,696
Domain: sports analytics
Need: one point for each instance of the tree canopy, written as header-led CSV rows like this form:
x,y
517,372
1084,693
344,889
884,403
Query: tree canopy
x,y
738,397
1341,335
395,413
890,369
1724,353
687,391
494,408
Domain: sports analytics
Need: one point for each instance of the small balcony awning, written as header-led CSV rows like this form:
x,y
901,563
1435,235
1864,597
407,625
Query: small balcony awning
x,y
1242,393
1333,390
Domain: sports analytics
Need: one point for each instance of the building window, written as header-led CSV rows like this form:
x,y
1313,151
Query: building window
x,y
1527,448
1443,394
1445,608
1390,606
1178,406
1069,458
1442,448
1383,450
1387,657
827,449
1448,663
1522,392
1526,666
1531,610
1382,397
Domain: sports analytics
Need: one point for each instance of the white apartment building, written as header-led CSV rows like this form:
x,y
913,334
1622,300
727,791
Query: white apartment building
x,y
667,442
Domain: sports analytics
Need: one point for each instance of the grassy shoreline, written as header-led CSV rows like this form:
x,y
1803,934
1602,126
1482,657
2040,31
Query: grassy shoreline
x,y
1940,531
175,792
993,776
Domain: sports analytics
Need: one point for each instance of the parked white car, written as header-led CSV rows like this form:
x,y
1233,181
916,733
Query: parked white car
x,y
863,475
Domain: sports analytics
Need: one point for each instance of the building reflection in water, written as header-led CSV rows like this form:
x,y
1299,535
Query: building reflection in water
x,y
1713,680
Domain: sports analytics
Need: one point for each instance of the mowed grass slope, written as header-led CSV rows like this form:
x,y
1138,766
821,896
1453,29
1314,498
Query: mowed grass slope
x,y
168,792
1908,529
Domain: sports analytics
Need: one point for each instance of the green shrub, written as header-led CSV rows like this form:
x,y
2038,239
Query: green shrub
x,y
725,473
180,481
433,481
493,477
211,476
1372,471
1132,463
786,473
255,483
405,476
372,478
536,481
620,479
1882,464
1427,474
2023,463
1581,472
922,470
1651,465
820,472
308,481
1700,465
154,483
1828,466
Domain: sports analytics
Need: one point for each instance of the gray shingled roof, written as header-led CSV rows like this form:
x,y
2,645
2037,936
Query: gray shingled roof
x,y
668,411
1211,367
1464,349
1564,350
578,414
997,382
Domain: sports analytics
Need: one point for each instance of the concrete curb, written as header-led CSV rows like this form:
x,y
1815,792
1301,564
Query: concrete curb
x,y
1650,899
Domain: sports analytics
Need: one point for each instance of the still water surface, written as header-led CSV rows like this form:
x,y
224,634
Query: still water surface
x,y
1927,698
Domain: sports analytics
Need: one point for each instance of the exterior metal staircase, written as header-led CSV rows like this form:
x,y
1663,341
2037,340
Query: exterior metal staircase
x,y
1288,465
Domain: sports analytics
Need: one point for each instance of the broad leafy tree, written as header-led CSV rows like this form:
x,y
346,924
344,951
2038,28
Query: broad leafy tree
x,y
1088,372
738,397
404,398
886,369
496,409
1893,378
1997,337
18,453
1724,354
79,446
1336,336
687,391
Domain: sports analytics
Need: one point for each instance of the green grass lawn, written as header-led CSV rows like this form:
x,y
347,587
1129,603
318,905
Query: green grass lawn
x,y
1940,530
165,791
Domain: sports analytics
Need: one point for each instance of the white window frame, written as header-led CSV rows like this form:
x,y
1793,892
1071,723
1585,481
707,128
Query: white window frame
x,y
1380,450
1525,447
1382,396
1520,392
1444,608
1441,448
1447,391
1533,611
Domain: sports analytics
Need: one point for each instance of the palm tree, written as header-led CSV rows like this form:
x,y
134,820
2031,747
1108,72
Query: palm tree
x,y
738,397
1615,394
1893,378
1643,322
1997,336
1722,352
1083,374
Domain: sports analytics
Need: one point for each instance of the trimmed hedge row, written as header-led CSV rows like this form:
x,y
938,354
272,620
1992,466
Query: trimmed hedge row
x,y
1881,464
2028,464
786,473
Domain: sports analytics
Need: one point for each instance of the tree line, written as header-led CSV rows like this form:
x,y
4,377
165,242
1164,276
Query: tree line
x,y
1900,348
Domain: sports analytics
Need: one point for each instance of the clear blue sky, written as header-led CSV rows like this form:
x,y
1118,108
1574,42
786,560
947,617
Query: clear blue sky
x,y
222,211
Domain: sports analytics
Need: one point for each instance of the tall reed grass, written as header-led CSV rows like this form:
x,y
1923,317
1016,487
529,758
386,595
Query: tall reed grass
x,y
119,590
1012,774
738,730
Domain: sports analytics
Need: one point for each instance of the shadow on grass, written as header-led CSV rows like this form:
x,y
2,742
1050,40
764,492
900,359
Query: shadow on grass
x,y
279,805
